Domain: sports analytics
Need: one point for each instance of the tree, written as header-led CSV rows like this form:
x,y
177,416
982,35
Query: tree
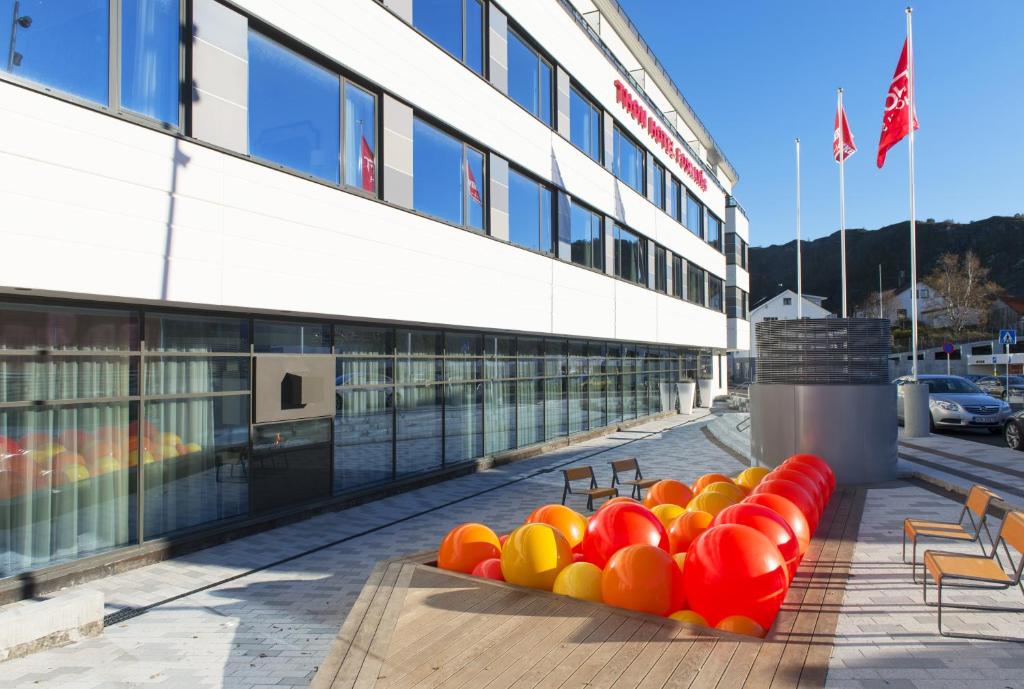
x,y
966,291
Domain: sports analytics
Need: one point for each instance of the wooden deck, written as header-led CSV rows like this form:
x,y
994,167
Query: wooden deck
x,y
416,626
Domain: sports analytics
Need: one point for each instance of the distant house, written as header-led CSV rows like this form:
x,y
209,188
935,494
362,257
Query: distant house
x,y
931,307
783,306
1007,312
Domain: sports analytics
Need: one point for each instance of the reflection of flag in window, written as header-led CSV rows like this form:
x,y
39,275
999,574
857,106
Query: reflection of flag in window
x,y
367,167
474,191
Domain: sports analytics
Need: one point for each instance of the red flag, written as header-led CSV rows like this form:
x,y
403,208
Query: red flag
x,y
849,148
367,166
896,119
474,192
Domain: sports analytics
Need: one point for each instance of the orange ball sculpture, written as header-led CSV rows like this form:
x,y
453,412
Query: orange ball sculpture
x,y
689,617
733,569
706,480
771,524
489,569
686,528
818,463
643,578
738,624
465,546
533,556
569,522
616,500
617,526
668,492
788,511
793,492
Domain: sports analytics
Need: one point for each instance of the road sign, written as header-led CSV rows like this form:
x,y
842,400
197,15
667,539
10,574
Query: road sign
x,y
948,348
1007,337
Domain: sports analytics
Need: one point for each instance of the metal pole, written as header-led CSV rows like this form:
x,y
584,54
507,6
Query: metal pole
x,y
947,363
1006,390
14,36
842,199
880,314
913,223
799,268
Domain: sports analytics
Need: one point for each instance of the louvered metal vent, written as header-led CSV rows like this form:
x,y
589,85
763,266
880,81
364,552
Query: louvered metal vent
x,y
823,351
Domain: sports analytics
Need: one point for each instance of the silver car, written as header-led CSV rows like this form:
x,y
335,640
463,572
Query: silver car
x,y
956,402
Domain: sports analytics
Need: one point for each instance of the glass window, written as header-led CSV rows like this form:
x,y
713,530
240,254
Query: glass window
x,y
360,139
455,25
735,302
292,338
675,200
629,160
149,58
678,286
695,284
660,269
658,193
584,124
529,78
586,232
694,215
294,110
715,296
529,211
448,177
62,45
714,231
630,256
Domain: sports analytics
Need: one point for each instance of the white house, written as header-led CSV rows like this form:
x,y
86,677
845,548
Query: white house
x,y
783,306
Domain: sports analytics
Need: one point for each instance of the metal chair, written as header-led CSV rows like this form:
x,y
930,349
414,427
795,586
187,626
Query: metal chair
x,y
580,474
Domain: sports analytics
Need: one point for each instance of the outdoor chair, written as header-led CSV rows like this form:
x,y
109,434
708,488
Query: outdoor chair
x,y
638,482
979,570
975,508
592,491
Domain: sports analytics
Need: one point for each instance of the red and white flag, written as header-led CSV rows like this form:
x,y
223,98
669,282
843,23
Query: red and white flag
x,y
474,191
849,148
368,167
896,119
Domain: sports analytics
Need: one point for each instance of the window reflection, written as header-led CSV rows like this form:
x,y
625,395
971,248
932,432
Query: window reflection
x,y
360,139
586,235
529,212
629,160
455,25
448,177
149,58
529,78
584,124
630,256
694,215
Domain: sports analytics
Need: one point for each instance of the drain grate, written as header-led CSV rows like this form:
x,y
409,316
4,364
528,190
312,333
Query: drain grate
x,y
121,615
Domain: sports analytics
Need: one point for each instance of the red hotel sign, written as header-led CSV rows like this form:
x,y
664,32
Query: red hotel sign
x,y
656,132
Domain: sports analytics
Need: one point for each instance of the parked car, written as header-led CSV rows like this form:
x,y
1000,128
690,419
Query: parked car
x,y
996,385
974,377
1013,431
955,402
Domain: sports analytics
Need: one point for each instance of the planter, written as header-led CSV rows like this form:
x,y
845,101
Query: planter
x,y
686,393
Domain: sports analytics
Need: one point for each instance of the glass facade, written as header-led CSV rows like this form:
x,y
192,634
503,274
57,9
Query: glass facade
x,y
660,269
736,303
675,193
584,124
529,212
678,279
694,215
586,233
448,177
630,256
529,78
149,58
695,281
455,25
716,293
104,411
714,227
629,160
735,250
658,192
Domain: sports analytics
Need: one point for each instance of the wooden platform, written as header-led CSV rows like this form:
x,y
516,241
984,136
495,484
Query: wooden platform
x,y
416,626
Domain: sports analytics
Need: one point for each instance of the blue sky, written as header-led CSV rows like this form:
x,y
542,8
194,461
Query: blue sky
x,y
761,73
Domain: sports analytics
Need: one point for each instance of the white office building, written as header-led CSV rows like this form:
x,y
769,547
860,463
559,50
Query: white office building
x,y
262,257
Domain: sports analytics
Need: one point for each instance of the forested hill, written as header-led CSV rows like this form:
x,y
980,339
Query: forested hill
x,y
998,242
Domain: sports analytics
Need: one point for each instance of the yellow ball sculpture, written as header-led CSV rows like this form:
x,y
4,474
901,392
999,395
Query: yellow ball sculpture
x,y
710,502
667,513
534,555
689,617
580,580
749,478
730,490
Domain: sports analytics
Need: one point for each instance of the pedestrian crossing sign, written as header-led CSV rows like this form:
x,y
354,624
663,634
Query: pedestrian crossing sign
x,y
1007,337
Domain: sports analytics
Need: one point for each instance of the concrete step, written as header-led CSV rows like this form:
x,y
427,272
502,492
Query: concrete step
x,y
34,625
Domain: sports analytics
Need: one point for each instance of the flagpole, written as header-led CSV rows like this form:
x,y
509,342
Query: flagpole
x,y
880,291
913,222
799,268
842,197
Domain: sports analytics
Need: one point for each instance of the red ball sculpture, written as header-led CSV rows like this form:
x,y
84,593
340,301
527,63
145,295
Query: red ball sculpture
x,y
788,511
733,569
811,472
818,463
771,524
643,578
807,481
489,569
616,526
793,492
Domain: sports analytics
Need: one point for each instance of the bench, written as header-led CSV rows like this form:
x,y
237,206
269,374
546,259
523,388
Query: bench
x,y
592,491
638,482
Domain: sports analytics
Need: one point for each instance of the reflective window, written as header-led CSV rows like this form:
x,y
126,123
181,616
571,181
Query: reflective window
x,y
629,160
675,200
529,78
455,25
678,284
658,192
735,302
714,226
716,299
694,215
294,110
695,284
586,232
660,269
62,45
448,177
360,139
529,212
283,337
630,256
149,58
584,124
